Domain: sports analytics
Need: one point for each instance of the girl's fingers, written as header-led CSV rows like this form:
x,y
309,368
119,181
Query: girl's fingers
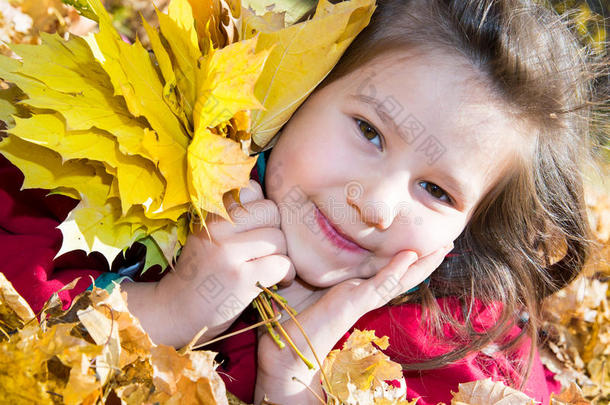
x,y
422,269
270,270
256,243
388,282
254,212
404,272
251,215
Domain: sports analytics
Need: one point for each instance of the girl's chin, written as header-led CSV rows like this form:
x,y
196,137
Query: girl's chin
x,y
315,283
318,279
324,269
312,280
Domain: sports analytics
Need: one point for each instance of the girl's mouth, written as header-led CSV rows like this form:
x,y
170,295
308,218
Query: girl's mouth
x,y
338,238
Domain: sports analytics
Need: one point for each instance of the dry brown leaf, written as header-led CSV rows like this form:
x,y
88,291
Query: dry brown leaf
x,y
22,370
134,341
571,396
598,209
599,371
357,372
14,310
488,392
167,367
186,379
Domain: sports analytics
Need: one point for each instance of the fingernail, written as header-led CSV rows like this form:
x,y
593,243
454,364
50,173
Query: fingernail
x,y
412,257
247,194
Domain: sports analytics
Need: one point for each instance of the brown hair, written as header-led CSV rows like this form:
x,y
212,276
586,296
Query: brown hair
x,y
534,64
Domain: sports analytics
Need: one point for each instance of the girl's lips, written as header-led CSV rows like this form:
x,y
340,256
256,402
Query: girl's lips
x,y
339,239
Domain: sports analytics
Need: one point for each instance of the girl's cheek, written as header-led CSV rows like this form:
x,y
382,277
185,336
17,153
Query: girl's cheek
x,y
429,233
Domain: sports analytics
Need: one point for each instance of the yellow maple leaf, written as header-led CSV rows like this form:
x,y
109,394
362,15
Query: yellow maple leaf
x,y
135,78
170,95
178,30
9,109
356,372
79,89
43,168
226,83
94,228
302,55
137,178
214,162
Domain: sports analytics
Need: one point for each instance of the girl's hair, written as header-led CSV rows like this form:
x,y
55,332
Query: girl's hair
x,y
529,236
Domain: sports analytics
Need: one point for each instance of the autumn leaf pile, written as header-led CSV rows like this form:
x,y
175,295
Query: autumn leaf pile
x,y
97,352
577,326
93,352
149,141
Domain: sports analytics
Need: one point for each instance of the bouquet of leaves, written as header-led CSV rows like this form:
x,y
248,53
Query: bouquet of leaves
x,y
149,140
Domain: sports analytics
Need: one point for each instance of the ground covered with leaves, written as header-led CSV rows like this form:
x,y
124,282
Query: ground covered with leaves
x,y
97,352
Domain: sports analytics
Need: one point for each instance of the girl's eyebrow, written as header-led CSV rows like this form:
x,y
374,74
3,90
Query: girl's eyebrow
x,y
377,107
457,188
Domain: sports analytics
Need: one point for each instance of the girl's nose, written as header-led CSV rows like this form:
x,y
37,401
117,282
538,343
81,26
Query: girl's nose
x,y
377,205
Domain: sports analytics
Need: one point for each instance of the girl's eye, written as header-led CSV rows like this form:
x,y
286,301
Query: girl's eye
x,y
436,192
369,132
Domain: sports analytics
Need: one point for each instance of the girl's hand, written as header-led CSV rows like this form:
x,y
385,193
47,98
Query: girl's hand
x,y
214,281
300,296
326,321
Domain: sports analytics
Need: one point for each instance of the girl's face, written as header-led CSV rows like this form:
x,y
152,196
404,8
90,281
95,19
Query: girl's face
x,y
393,156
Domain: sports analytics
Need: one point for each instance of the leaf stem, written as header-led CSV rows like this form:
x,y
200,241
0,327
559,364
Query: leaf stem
x,y
310,390
259,304
297,323
256,325
288,339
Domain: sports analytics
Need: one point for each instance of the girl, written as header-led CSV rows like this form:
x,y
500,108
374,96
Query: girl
x,y
446,122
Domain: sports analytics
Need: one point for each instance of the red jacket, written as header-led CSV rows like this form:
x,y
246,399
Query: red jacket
x,y
29,240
